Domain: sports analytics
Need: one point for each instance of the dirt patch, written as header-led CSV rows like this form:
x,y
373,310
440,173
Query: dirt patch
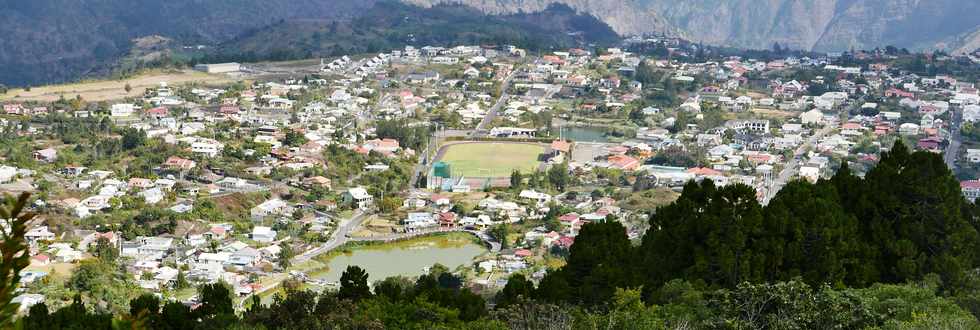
x,y
774,113
106,90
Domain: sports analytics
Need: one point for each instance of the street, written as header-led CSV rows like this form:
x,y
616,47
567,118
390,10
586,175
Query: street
x,y
483,128
953,149
337,239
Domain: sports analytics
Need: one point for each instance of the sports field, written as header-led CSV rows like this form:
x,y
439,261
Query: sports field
x,y
492,159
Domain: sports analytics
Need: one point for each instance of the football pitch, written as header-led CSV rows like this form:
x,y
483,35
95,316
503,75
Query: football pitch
x,y
492,159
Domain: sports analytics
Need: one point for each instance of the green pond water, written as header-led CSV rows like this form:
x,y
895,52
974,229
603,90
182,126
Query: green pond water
x,y
402,259
584,134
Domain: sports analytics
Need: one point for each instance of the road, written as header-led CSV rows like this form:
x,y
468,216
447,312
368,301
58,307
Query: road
x,y
953,149
792,167
337,239
484,127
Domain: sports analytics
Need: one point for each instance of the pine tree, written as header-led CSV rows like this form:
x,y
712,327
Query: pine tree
x,y
353,284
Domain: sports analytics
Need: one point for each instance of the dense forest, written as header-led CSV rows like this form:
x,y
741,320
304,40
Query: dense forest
x,y
391,25
894,249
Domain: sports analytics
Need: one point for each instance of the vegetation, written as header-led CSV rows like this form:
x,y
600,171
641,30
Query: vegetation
x,y
14,253
896,249
389,25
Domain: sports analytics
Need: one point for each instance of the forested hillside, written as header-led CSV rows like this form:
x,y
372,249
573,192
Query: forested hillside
x,y
390,25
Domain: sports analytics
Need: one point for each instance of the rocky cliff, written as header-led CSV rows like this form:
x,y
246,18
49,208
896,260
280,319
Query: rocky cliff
x,y
823,25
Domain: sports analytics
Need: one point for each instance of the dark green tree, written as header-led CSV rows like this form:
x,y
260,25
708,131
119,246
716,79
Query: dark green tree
x,y
216,301
14,254
354,284
518,287
105,250
516,179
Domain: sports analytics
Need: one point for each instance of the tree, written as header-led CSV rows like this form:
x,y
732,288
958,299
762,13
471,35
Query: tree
x,y
145,307
176,315
14,255
182,282
499,233
558,176
294,139
516,179
285,257
708,234
353,284
128,88
518,287
216,300
133,138
105,250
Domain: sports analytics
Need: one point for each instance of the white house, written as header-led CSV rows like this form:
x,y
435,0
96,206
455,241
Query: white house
x,y
263,234
270,207
25,301
538,197
359,196
419,220
122,110
7,173
152,196
810,173
812,117
39,233
207,148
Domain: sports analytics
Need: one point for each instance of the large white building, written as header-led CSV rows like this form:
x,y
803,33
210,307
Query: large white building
x,y
219,67
207,148
122,110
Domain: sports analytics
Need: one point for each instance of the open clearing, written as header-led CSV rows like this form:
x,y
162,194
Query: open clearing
x,y
106,90
492,159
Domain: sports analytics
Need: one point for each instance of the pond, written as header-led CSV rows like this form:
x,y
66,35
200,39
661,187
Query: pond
x,y
584,134
407,258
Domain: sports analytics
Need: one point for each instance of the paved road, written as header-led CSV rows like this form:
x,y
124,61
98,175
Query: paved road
x,y
953,149
484,127
338,238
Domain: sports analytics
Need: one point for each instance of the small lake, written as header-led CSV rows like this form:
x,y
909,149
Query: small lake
x,y
584,134
403,258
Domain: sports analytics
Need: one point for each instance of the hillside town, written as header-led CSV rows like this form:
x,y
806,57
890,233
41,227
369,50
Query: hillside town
x,y
266,180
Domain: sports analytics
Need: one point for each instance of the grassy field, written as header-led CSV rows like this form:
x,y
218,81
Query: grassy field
x,y
492,159
106,90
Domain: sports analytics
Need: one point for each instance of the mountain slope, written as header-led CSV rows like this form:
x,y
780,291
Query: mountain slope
x,y
50,40
823,25
390,25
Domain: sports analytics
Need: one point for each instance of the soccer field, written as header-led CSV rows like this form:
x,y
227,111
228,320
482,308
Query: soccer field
x,y
492,159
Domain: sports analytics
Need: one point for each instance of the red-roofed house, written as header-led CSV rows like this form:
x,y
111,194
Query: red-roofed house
x,y
157,112
228,110
565,241
382,145
560,146
447,219
895,92
703,171
41,260
623,162
523,253
568,218
971,189
177,163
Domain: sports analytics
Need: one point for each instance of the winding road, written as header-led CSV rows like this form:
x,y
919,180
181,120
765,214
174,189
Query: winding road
x,y
339,237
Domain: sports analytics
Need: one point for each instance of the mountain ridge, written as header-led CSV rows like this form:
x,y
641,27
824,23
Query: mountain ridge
x,y
819,25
